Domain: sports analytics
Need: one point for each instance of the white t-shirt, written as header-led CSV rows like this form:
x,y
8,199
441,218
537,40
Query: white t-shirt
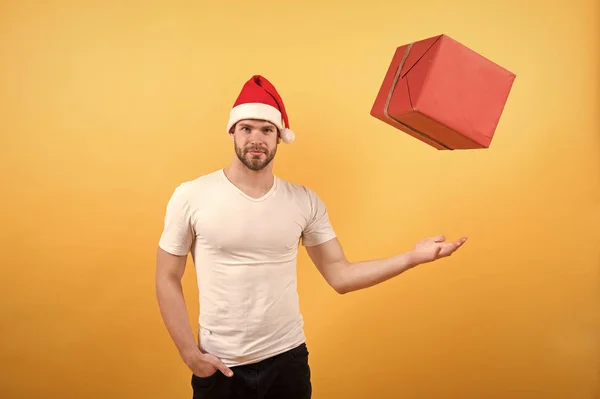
x,y
245,252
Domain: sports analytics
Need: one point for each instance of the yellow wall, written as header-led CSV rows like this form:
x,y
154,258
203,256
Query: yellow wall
x,y
105,108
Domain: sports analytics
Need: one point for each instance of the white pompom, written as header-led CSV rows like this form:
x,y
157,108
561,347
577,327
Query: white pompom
x,y
287,136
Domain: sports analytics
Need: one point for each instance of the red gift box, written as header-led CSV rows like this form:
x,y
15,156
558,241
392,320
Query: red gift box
x,y
444,94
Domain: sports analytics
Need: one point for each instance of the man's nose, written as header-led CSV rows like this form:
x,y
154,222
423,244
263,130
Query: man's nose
x,y
255,136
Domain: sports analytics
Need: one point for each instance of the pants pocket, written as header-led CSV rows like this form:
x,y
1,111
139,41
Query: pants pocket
x,y
299,353
203,382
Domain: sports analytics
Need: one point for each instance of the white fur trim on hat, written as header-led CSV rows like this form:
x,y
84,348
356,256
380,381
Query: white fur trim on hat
x,y
255,111
260,111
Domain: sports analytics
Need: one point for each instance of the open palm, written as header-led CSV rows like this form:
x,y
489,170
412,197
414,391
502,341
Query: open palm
x,y
433,248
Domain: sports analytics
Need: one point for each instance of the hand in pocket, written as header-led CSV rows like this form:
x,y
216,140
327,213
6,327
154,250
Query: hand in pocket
x,y
205,364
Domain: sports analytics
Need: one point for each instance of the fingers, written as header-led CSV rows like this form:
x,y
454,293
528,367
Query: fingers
x,y
440,238
221,366
448,249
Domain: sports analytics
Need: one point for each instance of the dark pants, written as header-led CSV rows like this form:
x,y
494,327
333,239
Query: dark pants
x,y
284,376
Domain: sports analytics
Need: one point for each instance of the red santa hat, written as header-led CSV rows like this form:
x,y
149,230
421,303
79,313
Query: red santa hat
x,y
259,100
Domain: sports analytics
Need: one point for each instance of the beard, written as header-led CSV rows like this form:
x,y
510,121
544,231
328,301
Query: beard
x,y
255,162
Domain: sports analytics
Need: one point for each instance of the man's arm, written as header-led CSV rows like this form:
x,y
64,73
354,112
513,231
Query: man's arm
x,y
345,276
169,292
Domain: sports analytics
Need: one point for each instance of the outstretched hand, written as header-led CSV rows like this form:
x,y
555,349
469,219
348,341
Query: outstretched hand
x,y
433,248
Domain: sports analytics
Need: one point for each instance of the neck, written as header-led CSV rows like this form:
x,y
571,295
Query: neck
x,y
247,179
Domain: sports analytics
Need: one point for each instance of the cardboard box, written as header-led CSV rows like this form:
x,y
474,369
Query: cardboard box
x,y
444,94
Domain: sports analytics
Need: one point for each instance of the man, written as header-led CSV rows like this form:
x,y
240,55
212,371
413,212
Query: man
x,y
243,225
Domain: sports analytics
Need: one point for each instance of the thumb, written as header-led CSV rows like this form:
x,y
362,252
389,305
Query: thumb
x,y
221,366
438,250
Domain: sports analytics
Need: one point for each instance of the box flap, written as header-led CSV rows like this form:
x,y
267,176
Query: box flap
x,y
416,51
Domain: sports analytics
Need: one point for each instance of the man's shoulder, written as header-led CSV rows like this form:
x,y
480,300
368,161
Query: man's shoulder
x,y
199,184
208,178
299,190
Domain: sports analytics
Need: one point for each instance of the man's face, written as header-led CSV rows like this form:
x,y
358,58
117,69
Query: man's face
x,y
255,143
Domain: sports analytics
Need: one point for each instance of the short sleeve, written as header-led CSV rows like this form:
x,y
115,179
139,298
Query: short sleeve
x,y
318,229
177,234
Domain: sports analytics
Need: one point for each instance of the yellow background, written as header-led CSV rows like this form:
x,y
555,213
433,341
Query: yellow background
x,y
106,106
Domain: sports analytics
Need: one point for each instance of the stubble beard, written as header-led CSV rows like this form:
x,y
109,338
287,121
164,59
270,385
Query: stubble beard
x,y
255,163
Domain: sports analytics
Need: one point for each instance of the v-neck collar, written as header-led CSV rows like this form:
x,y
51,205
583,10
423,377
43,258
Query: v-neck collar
x,y
242,193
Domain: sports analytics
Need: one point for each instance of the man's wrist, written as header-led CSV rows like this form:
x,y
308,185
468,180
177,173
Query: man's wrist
x,y
410,260
189,352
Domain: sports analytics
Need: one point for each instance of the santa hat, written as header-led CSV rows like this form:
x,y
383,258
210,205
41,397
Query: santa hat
x,y
259,100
